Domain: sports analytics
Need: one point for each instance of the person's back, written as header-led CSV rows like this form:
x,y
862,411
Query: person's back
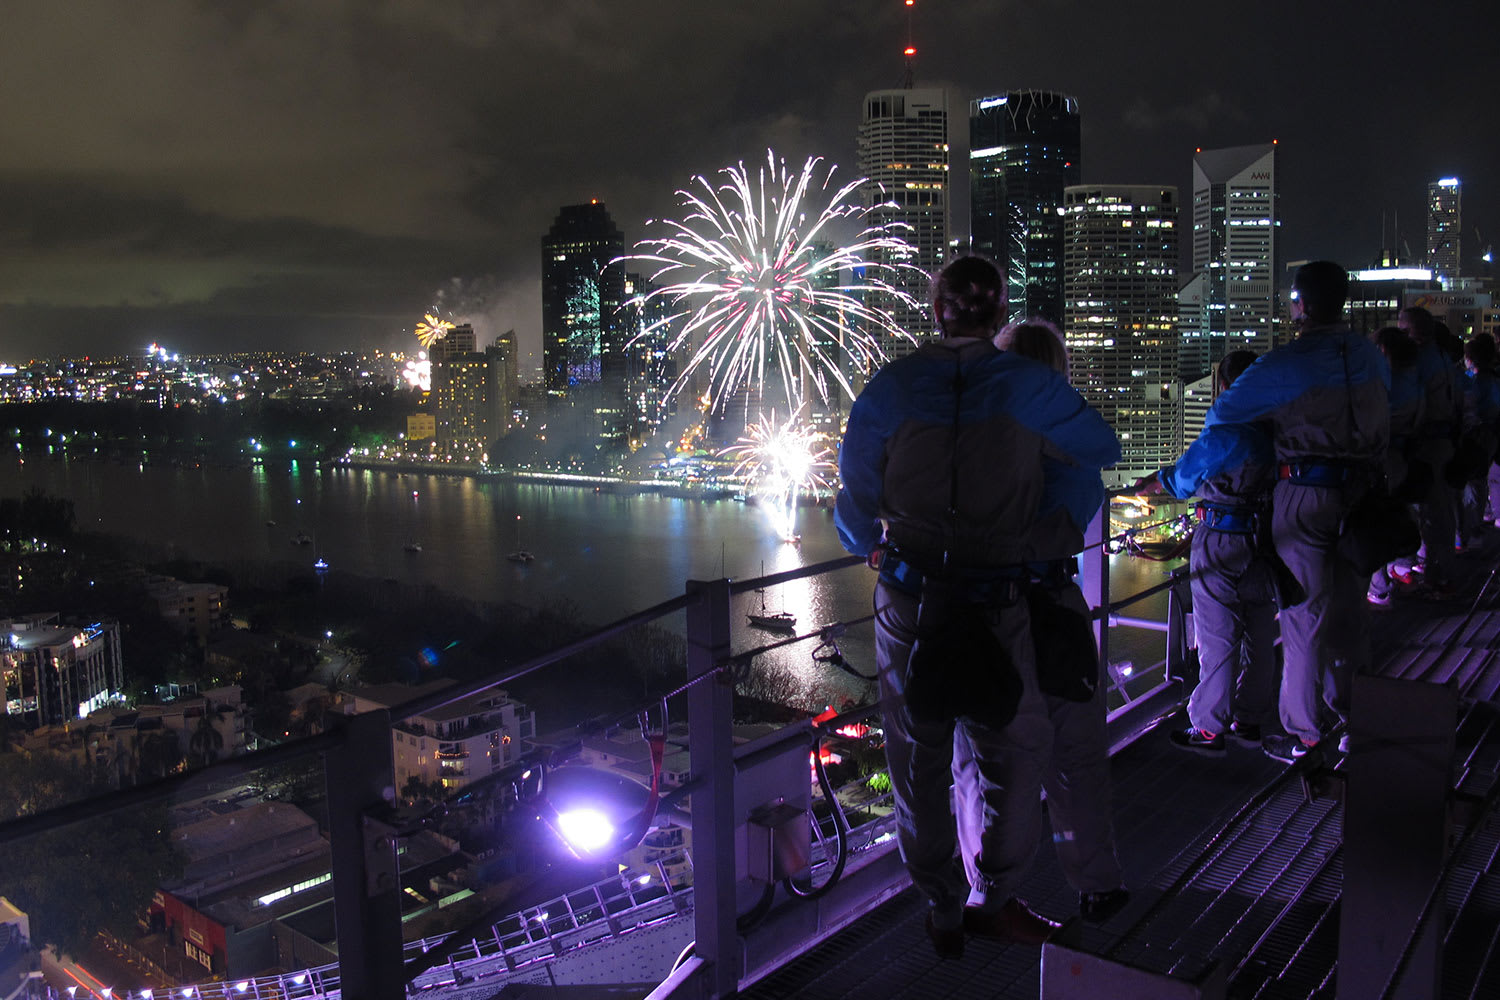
x,y
1071,493
950,416
1231,467
942,468
1326,398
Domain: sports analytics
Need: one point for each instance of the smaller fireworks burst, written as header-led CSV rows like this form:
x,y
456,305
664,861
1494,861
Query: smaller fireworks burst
x,y
778,461
418,373
431,330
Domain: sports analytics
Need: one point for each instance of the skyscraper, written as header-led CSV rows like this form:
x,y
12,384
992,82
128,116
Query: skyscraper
x,y
1444,226
650,366
461,397
581,297
1235,256
1024,149
1120,261
903,151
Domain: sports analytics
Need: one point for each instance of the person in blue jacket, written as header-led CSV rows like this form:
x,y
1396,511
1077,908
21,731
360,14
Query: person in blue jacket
x,y
943,466
1324,396
1233,586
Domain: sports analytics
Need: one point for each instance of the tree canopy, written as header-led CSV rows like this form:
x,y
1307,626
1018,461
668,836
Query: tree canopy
x,y
97,874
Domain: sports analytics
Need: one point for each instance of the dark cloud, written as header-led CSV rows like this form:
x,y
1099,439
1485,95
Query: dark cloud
x,y
335,166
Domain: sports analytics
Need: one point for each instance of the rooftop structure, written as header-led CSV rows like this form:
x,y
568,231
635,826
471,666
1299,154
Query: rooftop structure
x,y
53,673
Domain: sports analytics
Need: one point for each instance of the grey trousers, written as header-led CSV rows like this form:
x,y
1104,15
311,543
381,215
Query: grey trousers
x,y
996,776
1324,639
1234,616
1437,515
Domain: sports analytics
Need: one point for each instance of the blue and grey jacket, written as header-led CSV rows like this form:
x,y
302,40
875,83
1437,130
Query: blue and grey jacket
x,y
1324,397
1441,391
1230,466
1028,450
1408,405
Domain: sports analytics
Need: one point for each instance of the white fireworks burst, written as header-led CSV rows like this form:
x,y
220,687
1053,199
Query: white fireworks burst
x,y
418,373
755,271
778,461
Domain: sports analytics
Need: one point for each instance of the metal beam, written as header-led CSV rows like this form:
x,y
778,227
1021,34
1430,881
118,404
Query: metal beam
x,y
366,880
1395,835
711,742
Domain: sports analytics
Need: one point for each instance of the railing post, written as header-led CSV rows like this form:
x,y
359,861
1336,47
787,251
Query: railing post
x,y
1399,768
1093,571
1177,638
710,740
366,881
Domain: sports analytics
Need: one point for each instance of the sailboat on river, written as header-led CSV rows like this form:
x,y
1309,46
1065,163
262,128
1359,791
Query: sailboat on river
x,y
771,621
520,555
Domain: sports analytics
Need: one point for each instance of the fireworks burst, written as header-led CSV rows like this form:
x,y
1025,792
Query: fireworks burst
x,y
432,330
418,373
753,272
777,461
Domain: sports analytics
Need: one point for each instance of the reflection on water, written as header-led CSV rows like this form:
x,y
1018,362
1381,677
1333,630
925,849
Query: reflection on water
x,y
608,553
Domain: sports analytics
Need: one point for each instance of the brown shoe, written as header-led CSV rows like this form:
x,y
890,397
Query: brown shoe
x,y
1014,923
947,943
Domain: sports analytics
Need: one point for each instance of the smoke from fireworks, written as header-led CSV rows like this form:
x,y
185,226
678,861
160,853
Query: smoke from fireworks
x,y
777,461
432,330
753,272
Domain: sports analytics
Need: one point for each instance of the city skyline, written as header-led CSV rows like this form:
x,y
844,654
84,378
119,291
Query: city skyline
x,y
298,175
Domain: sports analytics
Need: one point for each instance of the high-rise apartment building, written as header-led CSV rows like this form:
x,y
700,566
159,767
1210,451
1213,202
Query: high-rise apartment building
x,y
462,396
1235,254
903,151
1444,228
582,291
1024,149
1120,259
52,673
650,368
504,382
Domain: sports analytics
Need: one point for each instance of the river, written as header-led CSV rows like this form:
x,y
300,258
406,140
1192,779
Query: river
x,y
609,553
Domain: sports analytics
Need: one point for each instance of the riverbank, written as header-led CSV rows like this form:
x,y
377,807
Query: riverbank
x,y
680,489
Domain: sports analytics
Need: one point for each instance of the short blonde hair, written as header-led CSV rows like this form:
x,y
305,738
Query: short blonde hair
x,y
1035,338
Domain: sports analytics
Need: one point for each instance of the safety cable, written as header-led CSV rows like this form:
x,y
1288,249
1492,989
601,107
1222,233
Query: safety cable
x,y
840,832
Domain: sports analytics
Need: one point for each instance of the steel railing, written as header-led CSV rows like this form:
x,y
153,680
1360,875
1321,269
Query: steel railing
x,y
375,963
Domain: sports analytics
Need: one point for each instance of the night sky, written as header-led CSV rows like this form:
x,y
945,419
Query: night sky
x,y
229,175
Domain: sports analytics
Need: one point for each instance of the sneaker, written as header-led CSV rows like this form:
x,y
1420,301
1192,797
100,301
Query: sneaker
x,y
1013,923
1406,577
1287,748
1377,598
1198,741
948,942
1097,907
1245,733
